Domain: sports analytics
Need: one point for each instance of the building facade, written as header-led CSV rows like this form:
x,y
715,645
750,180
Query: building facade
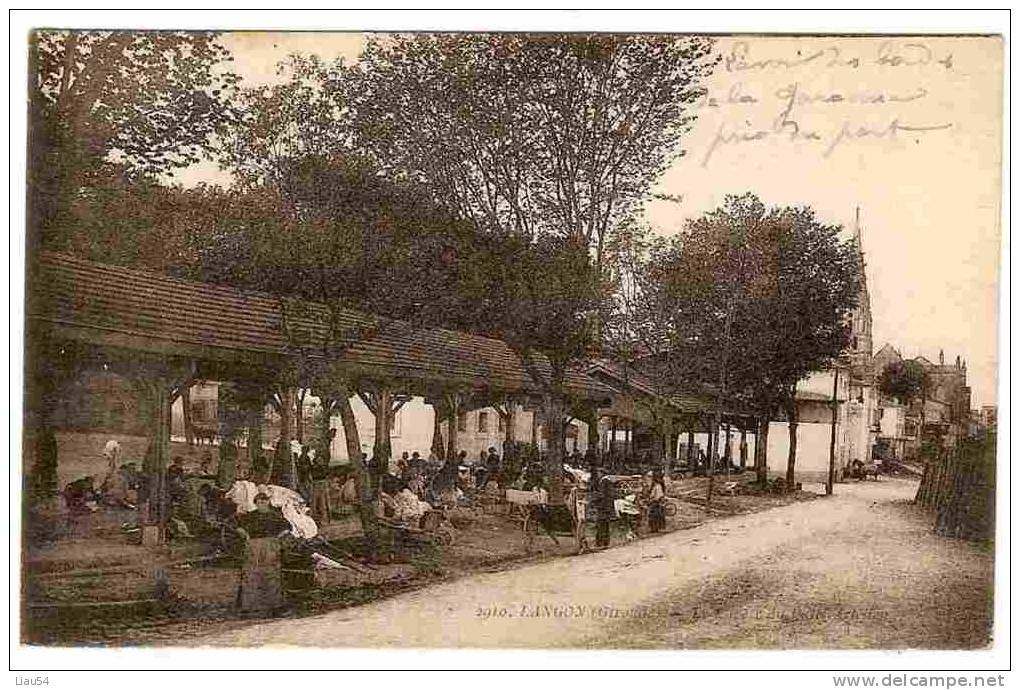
x,y
941,415
856,398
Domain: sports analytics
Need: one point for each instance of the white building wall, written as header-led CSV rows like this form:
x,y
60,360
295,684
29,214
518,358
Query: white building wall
x,y
413,429
701,442
820,382
812,449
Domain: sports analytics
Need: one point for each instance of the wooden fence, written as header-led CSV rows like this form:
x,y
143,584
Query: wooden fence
x,y
958,486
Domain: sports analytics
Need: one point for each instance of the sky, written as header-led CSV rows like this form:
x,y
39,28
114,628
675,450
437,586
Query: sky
x,y
907,130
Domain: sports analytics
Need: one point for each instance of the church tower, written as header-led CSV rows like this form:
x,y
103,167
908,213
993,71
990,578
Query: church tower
x,y
861,345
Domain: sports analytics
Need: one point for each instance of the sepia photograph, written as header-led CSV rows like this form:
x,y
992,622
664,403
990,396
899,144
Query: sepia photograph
x,y
553,339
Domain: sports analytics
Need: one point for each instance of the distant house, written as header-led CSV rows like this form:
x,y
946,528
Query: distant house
x,y
945,406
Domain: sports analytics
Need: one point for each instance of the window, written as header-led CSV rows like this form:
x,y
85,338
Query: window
x,y
462,421
118,413
201,411
483,422
501,424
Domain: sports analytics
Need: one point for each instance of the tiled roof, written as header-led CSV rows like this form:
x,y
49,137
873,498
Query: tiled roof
x,y
814,395
182,314
624,376
626,379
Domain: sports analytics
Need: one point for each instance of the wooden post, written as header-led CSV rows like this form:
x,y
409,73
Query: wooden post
x,y
510,428
283,464
438,447
189,430
382,448
593,430
713,444
832,435
690,446
728,452
453,409
743,447
154,510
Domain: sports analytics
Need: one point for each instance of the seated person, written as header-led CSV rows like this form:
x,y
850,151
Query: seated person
x,y
205,468
175,475
80,496
264,521
534,477
391,484
117,491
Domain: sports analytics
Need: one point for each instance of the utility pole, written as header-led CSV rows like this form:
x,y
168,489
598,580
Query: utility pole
x,y
832,435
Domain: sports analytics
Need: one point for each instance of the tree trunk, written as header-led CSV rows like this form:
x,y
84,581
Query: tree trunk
x,y
791,458
713,444
226,472
382,448
743,447
761,451
534,429
325,449
43,476
283,473
438,449
228,419
593,431
44,472
256,456
510,430
153,506
555,417
48,371
189,428
453,410
299,415
352,439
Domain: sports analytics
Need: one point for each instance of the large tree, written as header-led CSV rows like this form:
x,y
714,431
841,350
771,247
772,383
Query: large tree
x,y
746,302
146,102
327,228
548,307
548,138
905,381
559,134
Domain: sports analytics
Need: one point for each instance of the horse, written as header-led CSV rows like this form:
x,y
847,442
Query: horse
x,y
204,432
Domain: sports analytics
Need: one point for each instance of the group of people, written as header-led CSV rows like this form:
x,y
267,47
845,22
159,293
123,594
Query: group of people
x,y
604,498
119,488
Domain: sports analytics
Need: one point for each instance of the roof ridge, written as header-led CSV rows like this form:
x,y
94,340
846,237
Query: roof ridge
x,y
259,294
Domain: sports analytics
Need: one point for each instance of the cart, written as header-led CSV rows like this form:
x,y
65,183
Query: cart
x,y
566,520
634,485
432,527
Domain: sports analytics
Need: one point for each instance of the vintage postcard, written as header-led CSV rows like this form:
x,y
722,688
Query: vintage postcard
x,y
511,340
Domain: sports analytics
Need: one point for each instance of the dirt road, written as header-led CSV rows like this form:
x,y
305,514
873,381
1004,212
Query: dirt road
x,y
858,570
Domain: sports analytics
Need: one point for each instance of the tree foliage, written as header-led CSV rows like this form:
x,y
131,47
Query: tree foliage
x,y
783,280
745,302
534,134
280,124
149,102
904,380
